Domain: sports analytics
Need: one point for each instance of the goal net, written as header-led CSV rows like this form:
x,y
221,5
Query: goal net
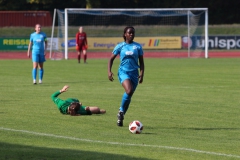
x,y
175,32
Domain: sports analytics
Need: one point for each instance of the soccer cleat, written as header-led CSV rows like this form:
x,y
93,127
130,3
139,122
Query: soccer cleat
x,y
120,117
40,82
119,123
34,82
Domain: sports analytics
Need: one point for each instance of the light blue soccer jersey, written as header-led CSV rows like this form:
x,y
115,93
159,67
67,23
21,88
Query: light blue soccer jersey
x,y
129,54
38,40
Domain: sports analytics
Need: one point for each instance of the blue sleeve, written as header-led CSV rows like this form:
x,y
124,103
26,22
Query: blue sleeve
x,y
117,49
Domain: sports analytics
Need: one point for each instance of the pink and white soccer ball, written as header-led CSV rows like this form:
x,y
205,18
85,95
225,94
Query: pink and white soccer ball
x,y
135,127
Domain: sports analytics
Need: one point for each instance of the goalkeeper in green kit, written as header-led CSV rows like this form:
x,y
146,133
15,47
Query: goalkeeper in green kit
x,y
72,106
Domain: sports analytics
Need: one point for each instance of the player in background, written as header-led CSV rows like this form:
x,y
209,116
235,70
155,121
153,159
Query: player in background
x,y
72,106
131,59
38,43
81,44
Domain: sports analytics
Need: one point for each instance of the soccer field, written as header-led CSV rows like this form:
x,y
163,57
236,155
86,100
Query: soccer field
x,y
190,109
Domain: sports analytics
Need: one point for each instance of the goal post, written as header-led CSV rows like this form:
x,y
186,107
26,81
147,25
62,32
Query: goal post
x,y
178,31
53,24
206,34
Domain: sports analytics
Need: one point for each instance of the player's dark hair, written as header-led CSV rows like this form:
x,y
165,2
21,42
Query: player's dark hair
x,y
125,30
73,108
35,27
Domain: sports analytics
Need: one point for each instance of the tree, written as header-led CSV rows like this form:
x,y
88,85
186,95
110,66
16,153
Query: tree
x,y
93,3
220,11
13,5
47,5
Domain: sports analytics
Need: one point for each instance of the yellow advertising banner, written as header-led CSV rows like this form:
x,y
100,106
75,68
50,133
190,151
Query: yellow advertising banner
x,y
159,42
103,43
146,42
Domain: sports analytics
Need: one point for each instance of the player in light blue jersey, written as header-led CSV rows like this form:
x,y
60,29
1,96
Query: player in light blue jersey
x,y
38,43
131,59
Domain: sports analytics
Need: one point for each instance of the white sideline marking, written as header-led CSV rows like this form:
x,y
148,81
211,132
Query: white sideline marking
x,y
124,144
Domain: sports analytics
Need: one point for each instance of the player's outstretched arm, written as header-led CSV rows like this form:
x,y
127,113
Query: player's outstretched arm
x,y
64,89
55,95
29,48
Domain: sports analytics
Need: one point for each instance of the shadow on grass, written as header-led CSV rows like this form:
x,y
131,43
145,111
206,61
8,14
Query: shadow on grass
x,y
206,129
15,151
213,128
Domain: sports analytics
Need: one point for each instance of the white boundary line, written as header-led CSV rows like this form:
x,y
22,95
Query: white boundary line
x,y
124,144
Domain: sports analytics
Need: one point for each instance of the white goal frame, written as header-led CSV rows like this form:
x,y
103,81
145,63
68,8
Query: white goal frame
x,y
142,9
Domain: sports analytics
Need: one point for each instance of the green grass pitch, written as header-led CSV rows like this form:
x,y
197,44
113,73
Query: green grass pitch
x,y
190,109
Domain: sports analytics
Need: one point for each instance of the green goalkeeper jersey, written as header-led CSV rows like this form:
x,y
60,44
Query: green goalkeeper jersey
x,y
62,104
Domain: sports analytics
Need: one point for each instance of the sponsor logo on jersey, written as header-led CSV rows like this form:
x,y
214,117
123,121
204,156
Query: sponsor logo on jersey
x,y
129,53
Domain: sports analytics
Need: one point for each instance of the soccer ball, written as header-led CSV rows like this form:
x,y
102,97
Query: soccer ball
x,y
135,127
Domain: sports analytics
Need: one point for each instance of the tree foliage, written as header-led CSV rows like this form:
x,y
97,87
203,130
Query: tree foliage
x,y
220,11
12,5
36,5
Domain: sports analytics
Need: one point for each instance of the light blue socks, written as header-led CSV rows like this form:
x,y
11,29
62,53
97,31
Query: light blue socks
x,y
126,99
41,71
34,74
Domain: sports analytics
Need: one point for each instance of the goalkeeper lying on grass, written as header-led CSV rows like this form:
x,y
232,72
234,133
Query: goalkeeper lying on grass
x,y
72,106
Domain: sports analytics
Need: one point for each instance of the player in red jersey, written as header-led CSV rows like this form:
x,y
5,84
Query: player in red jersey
x,y
81,44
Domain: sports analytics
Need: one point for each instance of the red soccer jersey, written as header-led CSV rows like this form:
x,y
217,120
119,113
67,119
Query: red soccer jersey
x,y
81,38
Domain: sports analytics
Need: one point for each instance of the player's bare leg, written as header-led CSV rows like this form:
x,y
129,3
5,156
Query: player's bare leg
x,y
102,111
79,56
96,110
85,56
126,99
